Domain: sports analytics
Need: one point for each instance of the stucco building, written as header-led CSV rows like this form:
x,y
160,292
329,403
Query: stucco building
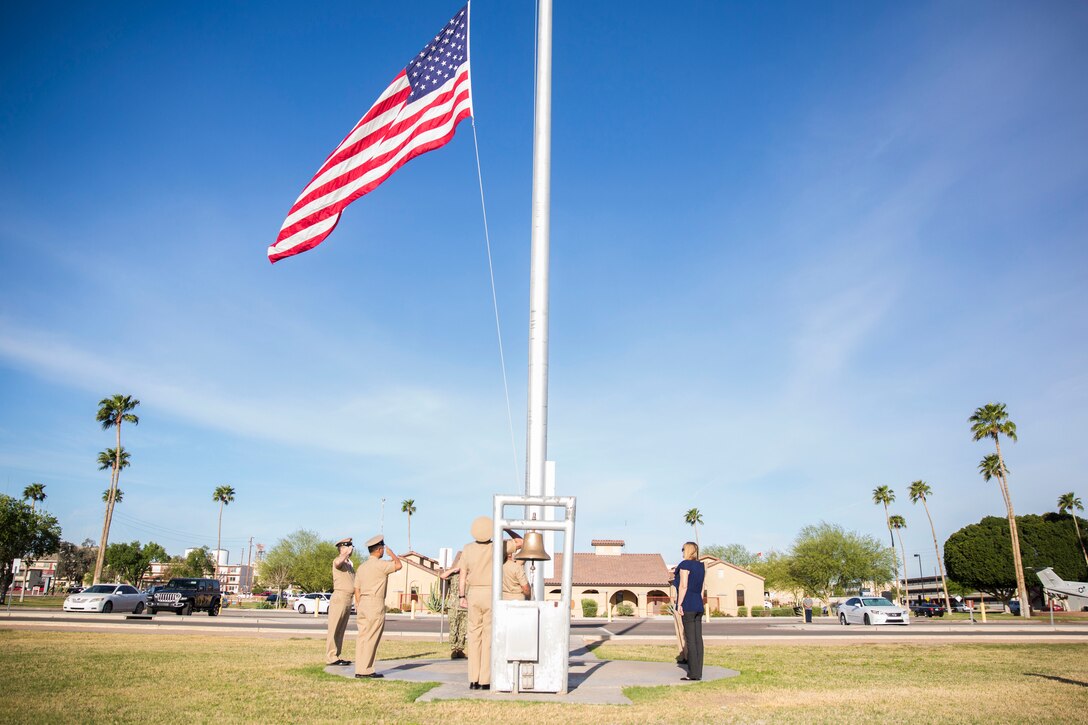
x,y
611,577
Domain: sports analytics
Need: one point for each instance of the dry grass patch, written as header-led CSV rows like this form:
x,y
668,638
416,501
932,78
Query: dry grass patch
x,y
93,677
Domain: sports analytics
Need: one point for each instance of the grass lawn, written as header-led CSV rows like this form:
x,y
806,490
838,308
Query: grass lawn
x,y
92,677
36,600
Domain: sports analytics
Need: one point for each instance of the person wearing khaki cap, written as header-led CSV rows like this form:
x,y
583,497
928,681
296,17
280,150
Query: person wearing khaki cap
x,y
515,585
474,587
343,585
370,585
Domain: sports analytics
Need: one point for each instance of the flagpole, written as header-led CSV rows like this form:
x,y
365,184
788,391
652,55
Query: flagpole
x,y
537,445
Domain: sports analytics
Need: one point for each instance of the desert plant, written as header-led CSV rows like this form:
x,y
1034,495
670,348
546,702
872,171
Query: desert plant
x,y
589,607
623,609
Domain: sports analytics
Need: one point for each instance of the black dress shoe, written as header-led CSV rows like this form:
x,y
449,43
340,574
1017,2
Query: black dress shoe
x,y
372,676
691,679
341,663
485,687
474,685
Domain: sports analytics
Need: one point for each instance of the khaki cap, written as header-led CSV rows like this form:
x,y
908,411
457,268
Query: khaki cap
x,y
344,541
481,529
375,540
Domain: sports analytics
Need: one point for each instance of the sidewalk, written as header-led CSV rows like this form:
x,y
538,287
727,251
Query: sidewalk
x,y
590,681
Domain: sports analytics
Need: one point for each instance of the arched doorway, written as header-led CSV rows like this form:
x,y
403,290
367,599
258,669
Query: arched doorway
x,y
656,601
624,596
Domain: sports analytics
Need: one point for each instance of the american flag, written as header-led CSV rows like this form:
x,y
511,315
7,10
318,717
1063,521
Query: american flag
x,y
417,113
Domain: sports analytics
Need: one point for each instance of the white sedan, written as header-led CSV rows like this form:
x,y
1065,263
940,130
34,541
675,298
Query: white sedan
x,y
307,603
872,610
319,600
107,598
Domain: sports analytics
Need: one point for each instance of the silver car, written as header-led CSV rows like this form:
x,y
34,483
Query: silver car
x,y
107,598
872,610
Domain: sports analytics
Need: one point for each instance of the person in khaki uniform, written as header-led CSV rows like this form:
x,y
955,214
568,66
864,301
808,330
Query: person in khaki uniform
x,y
370,584
515,585
475,594
343,585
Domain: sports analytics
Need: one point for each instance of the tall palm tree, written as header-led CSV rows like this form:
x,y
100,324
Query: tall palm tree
x,y
1067,504
35,492
920,491
118,495
408,506
694,517
992,421
899,524
885,495
112,412
224,495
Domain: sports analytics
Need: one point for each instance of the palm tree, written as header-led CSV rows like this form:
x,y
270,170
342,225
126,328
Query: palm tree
x,y
112,412
899,523
118,495
408,506
885,495
920,491
694,517
1067,504
35,492
992,421
224,495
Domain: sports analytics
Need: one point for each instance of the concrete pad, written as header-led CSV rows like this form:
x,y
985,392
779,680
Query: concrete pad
x,y
590,681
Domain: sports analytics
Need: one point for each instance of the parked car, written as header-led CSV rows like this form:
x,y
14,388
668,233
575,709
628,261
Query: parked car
x,y
1014,607
107,598
272,597
308,603
927,609
184,595
872,610
960,607
73,590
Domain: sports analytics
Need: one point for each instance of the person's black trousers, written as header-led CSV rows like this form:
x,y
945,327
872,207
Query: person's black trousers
x,y
693,636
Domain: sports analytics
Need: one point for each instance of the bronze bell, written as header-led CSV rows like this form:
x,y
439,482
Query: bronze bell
x,y
533,548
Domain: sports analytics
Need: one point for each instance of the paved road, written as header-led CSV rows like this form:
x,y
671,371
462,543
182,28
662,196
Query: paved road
x,y
288,623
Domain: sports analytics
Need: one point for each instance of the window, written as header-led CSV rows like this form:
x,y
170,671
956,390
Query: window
x,y
740,597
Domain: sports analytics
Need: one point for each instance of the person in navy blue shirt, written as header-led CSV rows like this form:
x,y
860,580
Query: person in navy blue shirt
x,y
688,581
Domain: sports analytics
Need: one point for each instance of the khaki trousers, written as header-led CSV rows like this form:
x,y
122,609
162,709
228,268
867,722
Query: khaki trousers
x,y
371,619
479,635
339,611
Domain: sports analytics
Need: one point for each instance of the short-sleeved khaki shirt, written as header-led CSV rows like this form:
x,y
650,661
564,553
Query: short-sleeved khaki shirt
x,y
476,564
343,577
513,579
372,577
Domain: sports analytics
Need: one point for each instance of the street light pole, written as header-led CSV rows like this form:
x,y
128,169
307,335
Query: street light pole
x,y
920,574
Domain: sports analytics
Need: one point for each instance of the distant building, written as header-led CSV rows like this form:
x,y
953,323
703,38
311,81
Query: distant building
x,y
729,587
611,577
413,582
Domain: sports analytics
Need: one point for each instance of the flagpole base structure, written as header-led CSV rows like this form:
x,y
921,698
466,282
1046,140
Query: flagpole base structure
x,y
530,639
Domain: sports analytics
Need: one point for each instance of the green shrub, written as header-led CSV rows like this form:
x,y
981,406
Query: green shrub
x,y
393,610
623,609
742,611
758,612
717,613
783,612
266,605
589,607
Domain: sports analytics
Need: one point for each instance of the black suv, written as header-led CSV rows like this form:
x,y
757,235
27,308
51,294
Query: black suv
x,y
927,609
184,596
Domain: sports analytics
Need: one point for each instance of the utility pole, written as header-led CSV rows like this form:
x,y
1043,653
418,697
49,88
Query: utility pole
x,y
249,568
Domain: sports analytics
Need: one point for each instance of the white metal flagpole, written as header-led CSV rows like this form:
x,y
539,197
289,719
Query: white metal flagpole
x,y
537,444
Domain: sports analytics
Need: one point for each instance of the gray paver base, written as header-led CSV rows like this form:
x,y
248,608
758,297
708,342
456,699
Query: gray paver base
x,y
590,680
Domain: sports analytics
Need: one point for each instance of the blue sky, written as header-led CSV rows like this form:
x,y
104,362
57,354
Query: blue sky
x,y
793,247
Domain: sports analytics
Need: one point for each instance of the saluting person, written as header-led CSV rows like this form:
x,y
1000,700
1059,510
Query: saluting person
x,y
474,586
370,585
343,585
515,585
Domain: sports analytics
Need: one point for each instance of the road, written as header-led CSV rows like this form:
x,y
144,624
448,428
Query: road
x,y
246,622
